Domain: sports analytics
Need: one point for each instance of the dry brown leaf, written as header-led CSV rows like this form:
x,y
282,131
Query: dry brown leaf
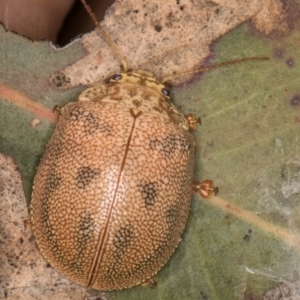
x,y
24,273
165,37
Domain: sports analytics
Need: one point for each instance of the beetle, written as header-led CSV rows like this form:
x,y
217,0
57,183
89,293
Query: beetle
x,y
112,193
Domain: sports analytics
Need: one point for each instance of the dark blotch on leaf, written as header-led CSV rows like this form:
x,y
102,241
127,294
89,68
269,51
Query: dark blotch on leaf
x,y
61,80
290,62
295,101
247,238
158,28
278,53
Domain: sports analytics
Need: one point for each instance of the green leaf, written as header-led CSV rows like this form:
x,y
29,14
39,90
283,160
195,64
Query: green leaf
x,y
236,244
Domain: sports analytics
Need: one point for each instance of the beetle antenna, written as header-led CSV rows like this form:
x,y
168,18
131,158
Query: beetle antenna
x,y
106,36
223,64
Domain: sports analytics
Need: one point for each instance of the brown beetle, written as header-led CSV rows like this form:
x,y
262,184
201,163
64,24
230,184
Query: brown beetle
x,y
113,190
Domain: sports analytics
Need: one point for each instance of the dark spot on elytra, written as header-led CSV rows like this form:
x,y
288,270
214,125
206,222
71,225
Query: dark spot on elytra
x,y
290,62
176,142
53,182
171,216
85,175
158,28
75,113
295,101
154,257
149,192
217,11
135,11
21,240
84,232
181,7
185,145
92,125
122,239
168,145
177,2
73,264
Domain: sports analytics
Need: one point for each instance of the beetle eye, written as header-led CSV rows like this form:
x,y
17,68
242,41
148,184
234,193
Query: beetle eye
x,y
117,77
165,92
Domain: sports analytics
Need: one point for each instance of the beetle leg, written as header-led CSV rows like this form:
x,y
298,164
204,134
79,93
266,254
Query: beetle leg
x,y
57,110
27,223
98,297
151,281
205,188
192,121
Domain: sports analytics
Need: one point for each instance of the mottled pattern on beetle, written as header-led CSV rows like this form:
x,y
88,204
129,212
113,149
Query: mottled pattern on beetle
x,y
136,97
65,195
156,190
90,122
112,193
149,192
169,144
85,175
46,212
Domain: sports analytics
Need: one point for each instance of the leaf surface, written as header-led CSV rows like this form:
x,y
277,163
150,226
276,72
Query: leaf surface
x,y
236,245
